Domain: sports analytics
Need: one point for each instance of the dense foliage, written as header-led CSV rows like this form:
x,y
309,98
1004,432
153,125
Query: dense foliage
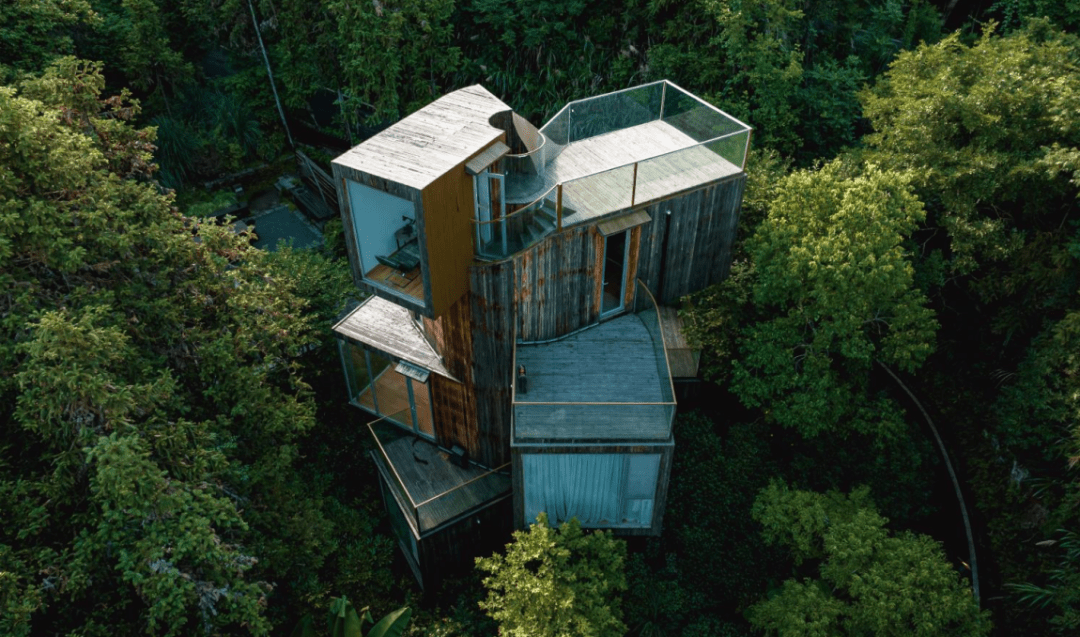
x,y
154,388
556,581
869,582
173,457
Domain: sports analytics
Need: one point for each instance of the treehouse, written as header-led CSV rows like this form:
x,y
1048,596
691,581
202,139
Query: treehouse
x,y
518,347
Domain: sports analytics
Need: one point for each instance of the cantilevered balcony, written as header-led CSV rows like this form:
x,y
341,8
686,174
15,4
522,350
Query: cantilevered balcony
x,y
432,488
610,382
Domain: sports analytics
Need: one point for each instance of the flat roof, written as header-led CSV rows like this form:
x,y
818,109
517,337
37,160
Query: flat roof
x,y
427,144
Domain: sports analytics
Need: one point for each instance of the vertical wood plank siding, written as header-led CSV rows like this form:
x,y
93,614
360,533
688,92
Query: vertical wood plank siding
x,y
454,404
452,550
700,235
491,303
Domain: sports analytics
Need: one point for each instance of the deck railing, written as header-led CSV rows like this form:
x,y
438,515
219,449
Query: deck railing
x,y
552,421
662,100
427,512
713,131
521,229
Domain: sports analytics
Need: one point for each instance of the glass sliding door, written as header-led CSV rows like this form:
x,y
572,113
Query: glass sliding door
x,y
616,247
490,207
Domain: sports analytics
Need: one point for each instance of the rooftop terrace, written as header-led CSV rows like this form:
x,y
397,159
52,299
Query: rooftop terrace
x,y
613,152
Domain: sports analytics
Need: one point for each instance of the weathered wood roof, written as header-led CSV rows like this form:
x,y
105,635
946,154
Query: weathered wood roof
x,y
388,328
425,145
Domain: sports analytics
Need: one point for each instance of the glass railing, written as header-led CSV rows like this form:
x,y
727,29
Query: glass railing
x,y
662,100
521,229
429,488
531,163
716,147
653,178
559,421
646,309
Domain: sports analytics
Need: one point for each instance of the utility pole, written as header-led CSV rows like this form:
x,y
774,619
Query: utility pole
x,y
270,73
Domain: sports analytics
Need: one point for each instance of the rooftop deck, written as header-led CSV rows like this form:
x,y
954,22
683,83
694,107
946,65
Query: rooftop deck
x,y
430,489
606,154
609,382
613,362
598,172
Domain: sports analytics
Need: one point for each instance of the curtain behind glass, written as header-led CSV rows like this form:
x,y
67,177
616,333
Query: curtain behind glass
x,y
565,485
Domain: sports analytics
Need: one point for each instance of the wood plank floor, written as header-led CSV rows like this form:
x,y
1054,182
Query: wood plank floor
x,y
612,362
599,193
442,489
411,283
683,358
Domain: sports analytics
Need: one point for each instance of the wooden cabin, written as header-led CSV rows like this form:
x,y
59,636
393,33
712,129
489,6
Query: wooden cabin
x,y
518,346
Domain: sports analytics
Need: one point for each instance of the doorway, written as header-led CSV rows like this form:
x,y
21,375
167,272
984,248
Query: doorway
x,y
616,247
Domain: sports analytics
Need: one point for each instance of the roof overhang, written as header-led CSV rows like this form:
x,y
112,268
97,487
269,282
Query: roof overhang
x,y
623,222
388,328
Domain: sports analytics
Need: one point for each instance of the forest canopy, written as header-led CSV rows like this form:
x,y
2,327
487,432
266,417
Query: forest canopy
x,y
175,454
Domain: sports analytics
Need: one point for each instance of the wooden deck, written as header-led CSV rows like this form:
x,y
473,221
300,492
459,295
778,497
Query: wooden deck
x,y
442,489
411,283
614,362
682,358
610,363
659,174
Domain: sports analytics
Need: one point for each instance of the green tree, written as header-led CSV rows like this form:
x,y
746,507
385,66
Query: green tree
x,y
556,582
868,581
153,392
32,34
990,136
832,291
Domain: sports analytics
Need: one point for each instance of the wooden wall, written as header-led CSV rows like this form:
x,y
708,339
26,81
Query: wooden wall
x,y
454,403
453,549
491,304
555,285
700,235
448,214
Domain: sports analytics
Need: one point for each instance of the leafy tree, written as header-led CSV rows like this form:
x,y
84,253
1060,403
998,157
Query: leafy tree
x,y
556,582
32,34
868,581
832,290
990,136
153,391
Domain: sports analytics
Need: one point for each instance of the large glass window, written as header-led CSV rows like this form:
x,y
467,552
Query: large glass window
x,y
600,490
398,391
387,240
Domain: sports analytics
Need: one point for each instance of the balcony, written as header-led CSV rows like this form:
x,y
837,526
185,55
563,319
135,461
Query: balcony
x,y
432,490
610,382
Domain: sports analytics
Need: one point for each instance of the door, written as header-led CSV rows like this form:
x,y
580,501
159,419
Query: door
x,y
616,247
490,206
